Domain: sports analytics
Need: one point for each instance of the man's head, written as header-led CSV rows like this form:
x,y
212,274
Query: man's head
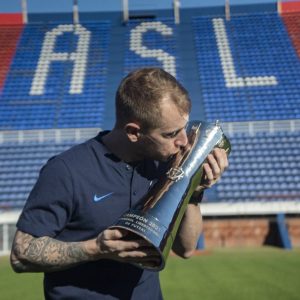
x,y
153,108
141,94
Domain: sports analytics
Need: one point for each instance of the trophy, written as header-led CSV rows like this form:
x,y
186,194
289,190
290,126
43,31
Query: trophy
x,y
158,217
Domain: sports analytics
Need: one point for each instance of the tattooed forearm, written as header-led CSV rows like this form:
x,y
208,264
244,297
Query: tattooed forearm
x,y
45,254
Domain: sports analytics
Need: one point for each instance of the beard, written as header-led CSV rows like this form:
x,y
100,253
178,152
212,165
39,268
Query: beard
x,y
150,149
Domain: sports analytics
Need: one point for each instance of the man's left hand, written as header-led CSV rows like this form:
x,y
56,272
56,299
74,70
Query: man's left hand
x,y
213,168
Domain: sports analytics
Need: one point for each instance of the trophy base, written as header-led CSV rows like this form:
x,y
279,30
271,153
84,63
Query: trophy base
x,y
149,228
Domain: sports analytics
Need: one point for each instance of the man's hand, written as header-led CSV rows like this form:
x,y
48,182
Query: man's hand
x,y
118,244
213,168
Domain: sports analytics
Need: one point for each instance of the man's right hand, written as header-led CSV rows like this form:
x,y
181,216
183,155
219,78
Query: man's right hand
x,y
120,245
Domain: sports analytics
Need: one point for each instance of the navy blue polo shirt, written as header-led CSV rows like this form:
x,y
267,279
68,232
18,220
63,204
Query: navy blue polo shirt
x,y
78,194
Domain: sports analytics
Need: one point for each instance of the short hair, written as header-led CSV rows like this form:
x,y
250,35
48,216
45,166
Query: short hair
x,y
140,94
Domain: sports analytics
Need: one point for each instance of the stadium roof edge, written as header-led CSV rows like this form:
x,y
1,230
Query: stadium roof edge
x,y
116,16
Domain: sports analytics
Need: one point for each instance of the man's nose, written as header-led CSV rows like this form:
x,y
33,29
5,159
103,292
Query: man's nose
x,y
182,139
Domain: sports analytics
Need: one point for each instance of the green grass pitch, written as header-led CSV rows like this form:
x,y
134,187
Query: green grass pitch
x,y
243,274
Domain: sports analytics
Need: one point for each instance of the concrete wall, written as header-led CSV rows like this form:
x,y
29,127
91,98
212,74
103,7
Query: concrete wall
x,y
248,232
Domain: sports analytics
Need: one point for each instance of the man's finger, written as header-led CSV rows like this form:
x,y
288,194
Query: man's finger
x,y
114,234
215,168
208,172
221,157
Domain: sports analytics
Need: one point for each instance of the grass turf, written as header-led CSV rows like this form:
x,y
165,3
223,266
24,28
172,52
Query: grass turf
x,y
14,286
242,274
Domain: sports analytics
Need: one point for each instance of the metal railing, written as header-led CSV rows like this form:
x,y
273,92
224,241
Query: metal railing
x,y
252,128
77,134
56,135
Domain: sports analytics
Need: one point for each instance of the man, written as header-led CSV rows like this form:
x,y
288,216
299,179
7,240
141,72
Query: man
x,y
63,229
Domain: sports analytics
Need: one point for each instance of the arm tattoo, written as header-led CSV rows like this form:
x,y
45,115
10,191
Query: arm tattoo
x,y
46,254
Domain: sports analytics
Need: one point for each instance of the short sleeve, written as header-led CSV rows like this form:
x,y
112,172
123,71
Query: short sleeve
x,y
49,205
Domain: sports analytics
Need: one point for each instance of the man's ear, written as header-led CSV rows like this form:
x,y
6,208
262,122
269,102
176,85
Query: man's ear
x,y
132,131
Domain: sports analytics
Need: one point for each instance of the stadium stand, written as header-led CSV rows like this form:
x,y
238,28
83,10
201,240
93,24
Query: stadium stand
x,y
61,76
292,24
253,73
152,41
20,165
23,153
44,86
58,74
264,167
8,37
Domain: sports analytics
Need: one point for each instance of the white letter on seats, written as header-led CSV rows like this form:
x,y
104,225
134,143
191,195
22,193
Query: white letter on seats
x,y
136,44
231,79
79,58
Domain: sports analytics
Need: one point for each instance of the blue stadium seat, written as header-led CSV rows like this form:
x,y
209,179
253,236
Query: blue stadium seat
x,y
20,165
268,168
248,39
55,107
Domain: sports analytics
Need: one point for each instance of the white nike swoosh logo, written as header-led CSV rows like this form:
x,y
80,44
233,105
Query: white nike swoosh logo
x,y
97,199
